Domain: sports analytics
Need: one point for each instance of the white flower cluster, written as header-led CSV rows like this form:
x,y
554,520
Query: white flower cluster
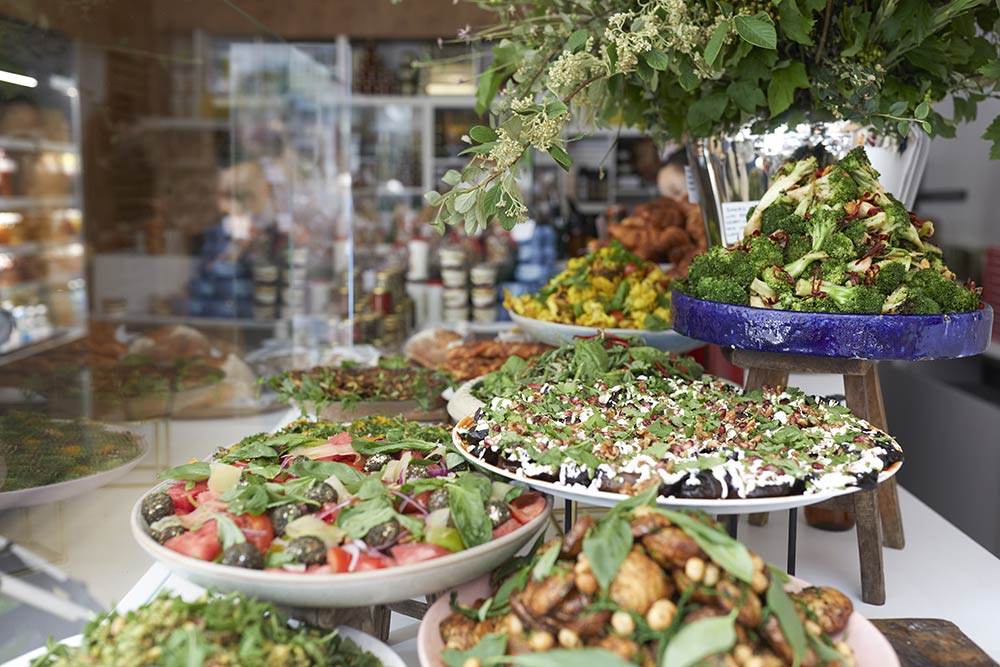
x,y
637,39
541,130
685,28
521,104
506,151
571,69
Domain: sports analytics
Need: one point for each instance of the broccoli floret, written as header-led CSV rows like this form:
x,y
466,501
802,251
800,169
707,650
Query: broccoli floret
x,y
783,182
890,276
761,295
857,232
836,187
787,301
822,224
850,299
764,252
796,247
721,289
907,300
834,271
816,304
706,264
799,266
856,164
839,246
899,226
952,297
778,280
776,217
736,265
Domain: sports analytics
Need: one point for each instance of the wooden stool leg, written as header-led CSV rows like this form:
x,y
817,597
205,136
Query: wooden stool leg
x,y
757,378
888,498
870,547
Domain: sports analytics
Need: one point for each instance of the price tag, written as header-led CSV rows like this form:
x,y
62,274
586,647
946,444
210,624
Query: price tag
x,y
734,220
692,186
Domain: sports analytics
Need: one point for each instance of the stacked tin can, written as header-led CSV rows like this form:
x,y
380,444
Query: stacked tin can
x,y
455,277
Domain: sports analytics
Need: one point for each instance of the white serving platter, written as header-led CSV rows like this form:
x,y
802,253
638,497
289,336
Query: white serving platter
x,y
555,333
871,648
50,493
587,496
350,589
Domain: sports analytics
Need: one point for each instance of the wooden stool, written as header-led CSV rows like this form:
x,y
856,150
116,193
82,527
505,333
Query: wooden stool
x,y
876,512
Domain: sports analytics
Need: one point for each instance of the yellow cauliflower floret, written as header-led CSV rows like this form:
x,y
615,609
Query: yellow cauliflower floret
x,y
594,316
603,286
641,298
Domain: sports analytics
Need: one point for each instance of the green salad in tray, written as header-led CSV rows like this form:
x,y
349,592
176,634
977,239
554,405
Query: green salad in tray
x,y
212,631
608,414
394,378
36,450
327,498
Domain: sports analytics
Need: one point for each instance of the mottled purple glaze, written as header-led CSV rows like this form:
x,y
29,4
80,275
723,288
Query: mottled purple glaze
x,y
908,337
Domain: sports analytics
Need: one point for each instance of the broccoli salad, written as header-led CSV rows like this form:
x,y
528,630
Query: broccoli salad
x,y
832,240
702,439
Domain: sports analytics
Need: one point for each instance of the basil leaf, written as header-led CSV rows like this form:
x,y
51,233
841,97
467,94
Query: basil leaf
x,y
782,606
516,582
488,647
246,499
576,657
647,497
698,640
369,447
229,533
606,546
278,558
292,440
356,520
321,470
729,554
416,526
618,300
590,359
371,488
469,513
254,450
192,472
827,654
544,565
268,471
477,483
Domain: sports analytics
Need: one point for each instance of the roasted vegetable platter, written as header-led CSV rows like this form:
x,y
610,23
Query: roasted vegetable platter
x,y
326,515
646,585
604,418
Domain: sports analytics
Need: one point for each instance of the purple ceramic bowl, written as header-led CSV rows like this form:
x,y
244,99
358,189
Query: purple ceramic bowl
x,y
906,337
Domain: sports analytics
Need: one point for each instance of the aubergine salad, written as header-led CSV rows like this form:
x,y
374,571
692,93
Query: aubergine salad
x,y
608,414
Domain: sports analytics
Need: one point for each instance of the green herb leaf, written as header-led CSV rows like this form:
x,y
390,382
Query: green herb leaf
x,y
369,447
193,472
590,359
716,41
561,157
606,546
321,470
577,39
575,657
229,532
757,30
357,519
696,641
469,514
247,499
729,554
784,82
827,654
794,23
657,59
782,606
482,134
489,647
544,565
452,177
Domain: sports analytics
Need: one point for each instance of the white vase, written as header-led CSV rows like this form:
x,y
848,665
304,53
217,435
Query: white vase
x,y
731,172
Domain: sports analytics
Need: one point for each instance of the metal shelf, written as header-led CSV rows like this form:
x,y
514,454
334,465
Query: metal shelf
x,y
57,339
190,320
35,248
37,145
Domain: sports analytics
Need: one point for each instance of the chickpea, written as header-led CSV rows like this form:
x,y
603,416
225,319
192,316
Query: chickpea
x,y
582,564
758,562
742,653
695,569
586,583
812,627
712,575
661,614
568,638
472,662
622,622
754,661
759,582
541,641
514,625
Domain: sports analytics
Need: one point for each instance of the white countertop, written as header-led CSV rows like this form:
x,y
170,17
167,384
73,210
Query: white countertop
x,y
941,573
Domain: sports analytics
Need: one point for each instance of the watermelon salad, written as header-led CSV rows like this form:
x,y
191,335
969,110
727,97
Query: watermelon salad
x,y
325,498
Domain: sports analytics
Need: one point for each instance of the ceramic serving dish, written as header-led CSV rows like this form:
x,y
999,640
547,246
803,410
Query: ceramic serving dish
x,y
555,333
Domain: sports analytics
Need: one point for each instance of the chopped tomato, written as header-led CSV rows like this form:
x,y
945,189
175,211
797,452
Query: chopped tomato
x,y
202,544
350,460
408,554
372,563
617,314
408,507
319,569
257,529
329,513
630,268
527,506
184,500
210,501
506,528
337,559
